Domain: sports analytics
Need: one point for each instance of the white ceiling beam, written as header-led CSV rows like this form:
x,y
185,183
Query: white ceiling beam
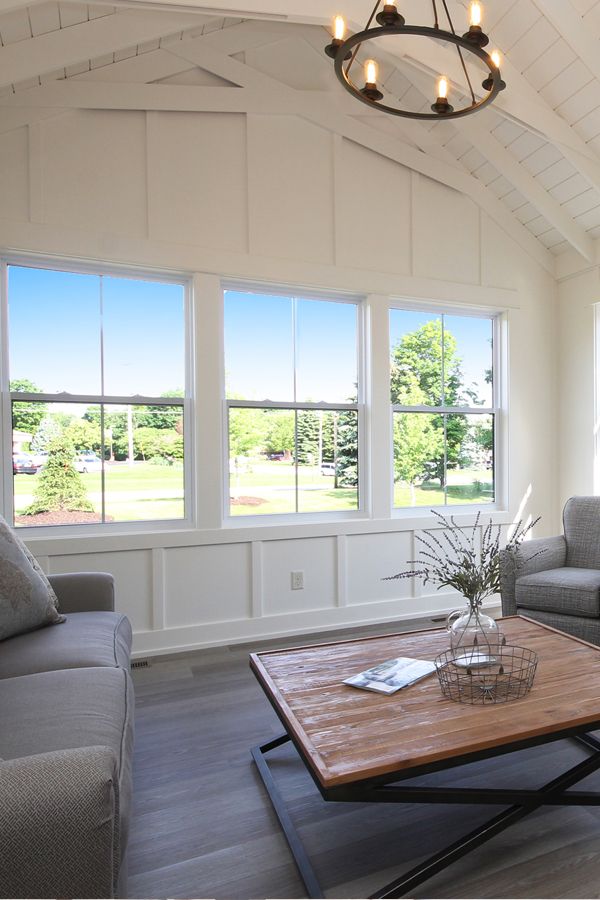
x,y
68,46
334,120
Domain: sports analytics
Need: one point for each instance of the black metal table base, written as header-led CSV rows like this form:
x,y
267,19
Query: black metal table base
x,y
518,803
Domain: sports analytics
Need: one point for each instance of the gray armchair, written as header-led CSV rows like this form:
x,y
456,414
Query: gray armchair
x,y
561,585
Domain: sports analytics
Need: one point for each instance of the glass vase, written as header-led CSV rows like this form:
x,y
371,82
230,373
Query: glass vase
x,y
474,637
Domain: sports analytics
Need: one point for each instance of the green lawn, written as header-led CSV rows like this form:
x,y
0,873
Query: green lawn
x,y
267,487
464,487
133,493
143,492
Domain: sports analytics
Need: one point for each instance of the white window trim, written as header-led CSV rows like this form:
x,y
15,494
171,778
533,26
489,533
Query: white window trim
x,y
296,292
137,273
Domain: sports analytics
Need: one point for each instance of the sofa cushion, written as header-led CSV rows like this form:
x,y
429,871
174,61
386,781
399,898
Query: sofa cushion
x,y
86,639
570,591
90,707
26,599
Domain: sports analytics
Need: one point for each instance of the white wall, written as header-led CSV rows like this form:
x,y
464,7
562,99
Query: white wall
x,y
275,198
578,437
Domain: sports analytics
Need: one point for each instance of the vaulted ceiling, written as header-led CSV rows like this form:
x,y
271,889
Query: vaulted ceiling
x,y
532,160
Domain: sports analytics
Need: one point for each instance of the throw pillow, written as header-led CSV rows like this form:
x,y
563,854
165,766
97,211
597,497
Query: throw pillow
x,y
27,600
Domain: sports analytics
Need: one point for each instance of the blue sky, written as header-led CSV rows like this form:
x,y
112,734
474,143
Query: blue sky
x,y
55,326
260,348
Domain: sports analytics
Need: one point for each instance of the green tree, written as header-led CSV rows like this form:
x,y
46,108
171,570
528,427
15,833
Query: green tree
x,y
417,362
84,435
308,437
417,440
59,485
159,416
346,449
280,432
49,429
247,431
26,416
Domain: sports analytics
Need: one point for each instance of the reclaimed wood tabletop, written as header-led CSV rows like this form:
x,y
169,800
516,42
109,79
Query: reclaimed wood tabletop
x,y
347,735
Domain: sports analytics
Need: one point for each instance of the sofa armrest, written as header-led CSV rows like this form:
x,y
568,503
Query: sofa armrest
x,y
59,824
84,591
532,556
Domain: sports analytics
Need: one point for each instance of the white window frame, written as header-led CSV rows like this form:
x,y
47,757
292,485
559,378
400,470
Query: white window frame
x,y
78,267
297,293
498,410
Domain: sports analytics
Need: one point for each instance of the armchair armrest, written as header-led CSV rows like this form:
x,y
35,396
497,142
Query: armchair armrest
x,y
532,556
59,824
84,591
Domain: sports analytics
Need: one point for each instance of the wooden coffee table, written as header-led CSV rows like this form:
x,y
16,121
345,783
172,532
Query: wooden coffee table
x,y
359,746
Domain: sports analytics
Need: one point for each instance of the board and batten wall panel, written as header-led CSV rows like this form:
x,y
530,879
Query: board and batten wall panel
x,y
315,558
14,175
132,571
290,189
373,557
278,199
373,228
446,242
94,171
207,584
197,179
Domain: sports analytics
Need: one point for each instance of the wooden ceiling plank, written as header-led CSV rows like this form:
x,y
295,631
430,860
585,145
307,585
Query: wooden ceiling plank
x,y
569,23
48,52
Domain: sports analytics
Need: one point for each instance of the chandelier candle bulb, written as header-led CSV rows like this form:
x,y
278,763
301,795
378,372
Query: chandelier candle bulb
x,y
496,58
475,17
389,16
442,88
441,105
370,89
339,32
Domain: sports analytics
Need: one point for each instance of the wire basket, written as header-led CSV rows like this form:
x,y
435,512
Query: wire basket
x,y
506,675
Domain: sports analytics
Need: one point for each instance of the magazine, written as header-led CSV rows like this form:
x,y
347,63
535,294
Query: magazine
x,y
392,675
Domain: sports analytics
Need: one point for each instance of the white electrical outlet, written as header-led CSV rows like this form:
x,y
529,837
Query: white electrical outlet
x,y
297,581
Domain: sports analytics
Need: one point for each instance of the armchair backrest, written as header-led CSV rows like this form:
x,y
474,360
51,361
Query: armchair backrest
x,y
581,520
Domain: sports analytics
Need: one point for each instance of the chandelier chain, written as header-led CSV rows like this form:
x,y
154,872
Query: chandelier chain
x,y
460,54
357,48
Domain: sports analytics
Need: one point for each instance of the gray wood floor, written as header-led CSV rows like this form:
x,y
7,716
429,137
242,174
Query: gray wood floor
x,y
203,826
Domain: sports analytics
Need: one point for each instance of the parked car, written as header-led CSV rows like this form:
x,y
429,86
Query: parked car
x,y
88,462
327,468
25,465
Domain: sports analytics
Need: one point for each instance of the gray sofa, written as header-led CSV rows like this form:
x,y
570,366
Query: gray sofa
x,y
560,586
66,743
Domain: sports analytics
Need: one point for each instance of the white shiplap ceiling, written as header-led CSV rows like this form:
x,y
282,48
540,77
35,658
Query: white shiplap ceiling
x,y
532,160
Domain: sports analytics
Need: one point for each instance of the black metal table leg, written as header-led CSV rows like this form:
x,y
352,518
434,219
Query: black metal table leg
x,y
525,802
296,846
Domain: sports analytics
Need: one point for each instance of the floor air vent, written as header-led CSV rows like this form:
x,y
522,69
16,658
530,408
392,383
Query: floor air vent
x,y
140,663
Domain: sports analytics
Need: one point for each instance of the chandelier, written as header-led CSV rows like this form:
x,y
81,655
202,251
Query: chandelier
x,y
344,50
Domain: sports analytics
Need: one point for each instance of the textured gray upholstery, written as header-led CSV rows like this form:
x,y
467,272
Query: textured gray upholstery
x,y
531,557
581,521
572,592
66,747
59,824
86,639
561,586
67,709
84,591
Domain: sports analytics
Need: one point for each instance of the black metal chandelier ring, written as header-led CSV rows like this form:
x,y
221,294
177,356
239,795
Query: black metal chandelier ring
x,y
493,84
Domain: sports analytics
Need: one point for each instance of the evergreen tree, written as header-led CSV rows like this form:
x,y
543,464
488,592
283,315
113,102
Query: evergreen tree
x,y
59,485
308,438
346,455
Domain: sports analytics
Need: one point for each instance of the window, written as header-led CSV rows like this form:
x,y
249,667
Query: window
x,y
97,388
291,369
444,409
